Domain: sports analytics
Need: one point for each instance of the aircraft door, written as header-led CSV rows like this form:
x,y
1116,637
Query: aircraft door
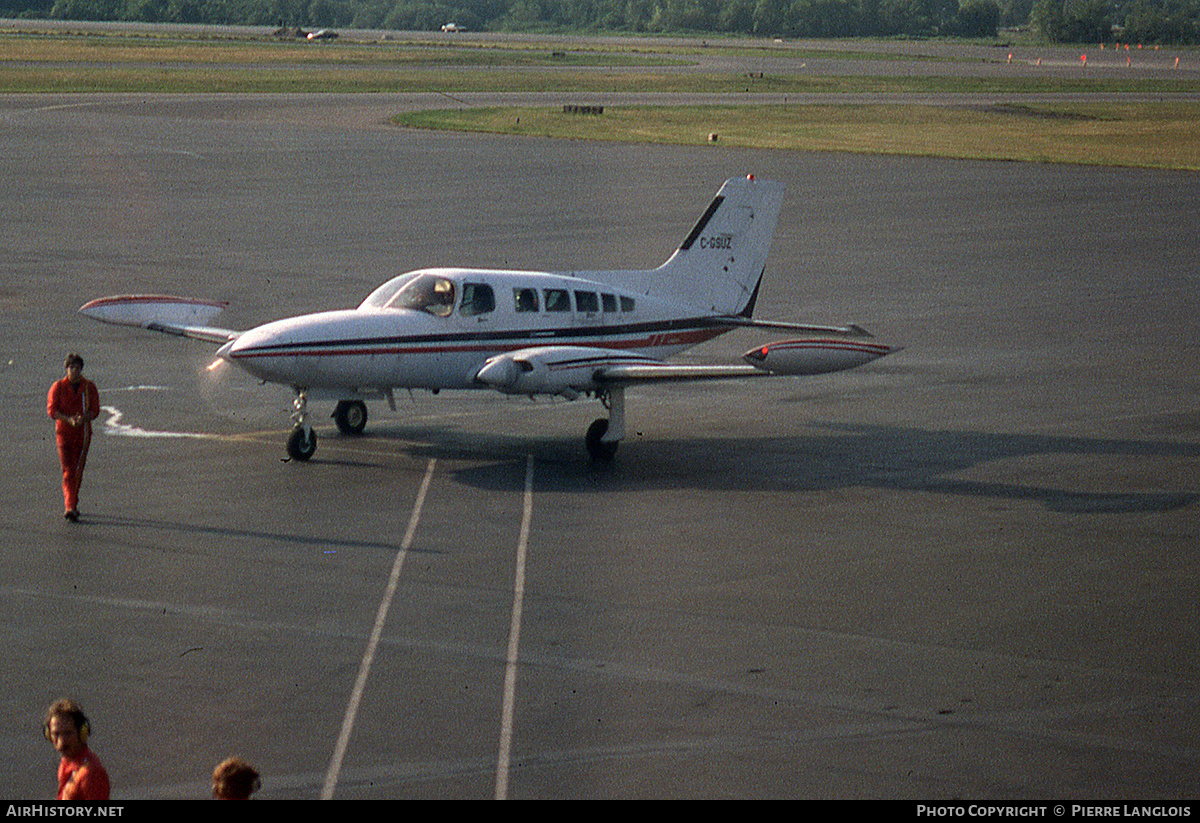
x,y
475,317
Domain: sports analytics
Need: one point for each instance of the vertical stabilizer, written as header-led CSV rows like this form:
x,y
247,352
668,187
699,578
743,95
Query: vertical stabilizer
x,y
720,262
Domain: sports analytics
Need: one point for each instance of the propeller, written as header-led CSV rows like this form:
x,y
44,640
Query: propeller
x,y
234,395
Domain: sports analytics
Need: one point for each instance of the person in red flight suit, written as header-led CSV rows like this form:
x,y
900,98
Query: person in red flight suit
x,y
73,403
80,773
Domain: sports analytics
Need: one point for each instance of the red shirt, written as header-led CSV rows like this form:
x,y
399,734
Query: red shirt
x,y
71,400
82,778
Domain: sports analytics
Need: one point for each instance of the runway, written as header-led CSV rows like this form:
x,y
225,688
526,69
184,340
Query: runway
x,y
967,571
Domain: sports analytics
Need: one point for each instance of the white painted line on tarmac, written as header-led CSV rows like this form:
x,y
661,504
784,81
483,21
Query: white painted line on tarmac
x,y
114,426
364,668
514,639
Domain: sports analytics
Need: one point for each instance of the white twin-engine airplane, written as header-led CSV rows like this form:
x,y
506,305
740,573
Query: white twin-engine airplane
x,y
525,332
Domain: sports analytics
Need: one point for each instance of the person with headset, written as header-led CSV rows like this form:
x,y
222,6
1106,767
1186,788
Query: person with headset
x,y
80,773
73,403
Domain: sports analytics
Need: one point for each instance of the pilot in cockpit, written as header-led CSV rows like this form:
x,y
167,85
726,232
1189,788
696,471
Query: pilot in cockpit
x,y
442,302
426,293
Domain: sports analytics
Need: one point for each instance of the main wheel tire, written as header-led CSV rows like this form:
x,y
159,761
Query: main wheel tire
x,y
599,450
301,444
350,416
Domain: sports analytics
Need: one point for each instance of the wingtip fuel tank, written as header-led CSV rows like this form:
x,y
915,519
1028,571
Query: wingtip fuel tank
x,y
815,356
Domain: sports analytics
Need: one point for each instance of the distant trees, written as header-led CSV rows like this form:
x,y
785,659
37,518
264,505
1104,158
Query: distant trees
x,y
26,8
1097,21
1164,21
1148,21
978,18
244,12
786,18
1073,21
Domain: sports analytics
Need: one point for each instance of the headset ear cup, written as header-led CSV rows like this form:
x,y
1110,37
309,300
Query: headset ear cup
x,y
85,731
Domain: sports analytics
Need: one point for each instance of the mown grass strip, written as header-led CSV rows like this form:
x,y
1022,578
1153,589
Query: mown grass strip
x,y
106,50
1150,135
171,78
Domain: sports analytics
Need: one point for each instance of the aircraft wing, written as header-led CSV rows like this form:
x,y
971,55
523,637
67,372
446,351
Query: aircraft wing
x,y
570,370
819,355
180,316
627,375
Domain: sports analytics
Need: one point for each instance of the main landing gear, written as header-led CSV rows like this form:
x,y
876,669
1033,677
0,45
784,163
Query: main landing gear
x,y
350,416
603,436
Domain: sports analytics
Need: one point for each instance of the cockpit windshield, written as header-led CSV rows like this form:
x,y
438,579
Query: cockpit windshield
x,y
420,292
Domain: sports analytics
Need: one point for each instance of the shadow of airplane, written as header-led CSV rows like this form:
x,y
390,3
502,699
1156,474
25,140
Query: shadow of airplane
x,y
832,456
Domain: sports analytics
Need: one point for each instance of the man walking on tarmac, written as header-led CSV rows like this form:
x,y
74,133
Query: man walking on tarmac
x,y
73,403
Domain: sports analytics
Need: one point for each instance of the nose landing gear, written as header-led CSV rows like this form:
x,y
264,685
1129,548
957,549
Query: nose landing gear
x,y
302,442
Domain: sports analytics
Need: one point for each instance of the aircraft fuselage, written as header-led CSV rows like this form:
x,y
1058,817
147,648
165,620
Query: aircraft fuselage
x,y
401,338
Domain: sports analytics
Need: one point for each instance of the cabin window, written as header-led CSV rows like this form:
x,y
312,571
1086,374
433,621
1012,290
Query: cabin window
x,y
525,299
426,292
608,302
478,298
557,300
586,301
626,303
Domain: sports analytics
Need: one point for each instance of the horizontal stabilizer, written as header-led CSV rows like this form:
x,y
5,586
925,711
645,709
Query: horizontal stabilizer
x,y
180,316
851,330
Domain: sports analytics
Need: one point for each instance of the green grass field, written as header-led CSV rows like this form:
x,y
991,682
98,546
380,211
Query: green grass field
x,y
1153,135
1157,135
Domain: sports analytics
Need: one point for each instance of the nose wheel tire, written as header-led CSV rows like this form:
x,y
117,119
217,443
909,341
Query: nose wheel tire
x,y
301,444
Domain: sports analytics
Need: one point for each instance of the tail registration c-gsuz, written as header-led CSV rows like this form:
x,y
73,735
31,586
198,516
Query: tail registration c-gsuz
x,y
525,332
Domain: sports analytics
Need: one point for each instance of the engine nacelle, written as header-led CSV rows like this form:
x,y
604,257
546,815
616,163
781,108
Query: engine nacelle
x,y
565,370
815,356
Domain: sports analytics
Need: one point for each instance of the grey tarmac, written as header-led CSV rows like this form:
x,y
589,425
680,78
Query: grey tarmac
x,y
969,570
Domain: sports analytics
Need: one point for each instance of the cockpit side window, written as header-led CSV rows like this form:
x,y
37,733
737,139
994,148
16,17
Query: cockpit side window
x,y
426,292
525,299
478,298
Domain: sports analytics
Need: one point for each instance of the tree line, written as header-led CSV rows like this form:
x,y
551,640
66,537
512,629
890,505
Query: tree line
x,y
1084,21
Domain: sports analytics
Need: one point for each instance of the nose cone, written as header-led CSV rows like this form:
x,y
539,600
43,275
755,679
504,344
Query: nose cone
x,y
268,352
